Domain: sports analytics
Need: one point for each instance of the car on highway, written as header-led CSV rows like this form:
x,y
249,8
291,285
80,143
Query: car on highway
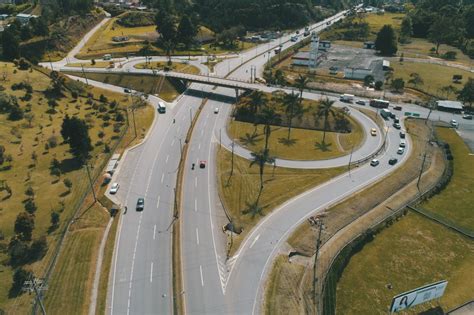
x,y
360,102
400,150
216,110
373,132
403,143
467,116
402,135
454,123
115,187
127,90
140,204
374,162
202,164
397,108
396,119
397,126
392,161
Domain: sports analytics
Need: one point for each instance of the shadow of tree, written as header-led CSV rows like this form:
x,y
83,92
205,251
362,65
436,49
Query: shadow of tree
x,y
69,165
287,142
253,209
250,139
323,146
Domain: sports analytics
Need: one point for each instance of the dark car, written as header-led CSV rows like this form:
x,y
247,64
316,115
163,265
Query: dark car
x,y
360,102
392,115
202,164
140,204
397,108
402,135
393,161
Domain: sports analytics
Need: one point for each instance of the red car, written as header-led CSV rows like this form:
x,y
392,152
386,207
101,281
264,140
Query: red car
x,y
202,164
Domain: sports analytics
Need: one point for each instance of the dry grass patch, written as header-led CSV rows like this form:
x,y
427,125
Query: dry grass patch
x,y
175,66
280,185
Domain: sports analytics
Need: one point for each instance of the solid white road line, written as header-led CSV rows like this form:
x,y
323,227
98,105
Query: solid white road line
x,y
162,177
158,202
197,236
255,240
133,263
154,231
202,278
151,272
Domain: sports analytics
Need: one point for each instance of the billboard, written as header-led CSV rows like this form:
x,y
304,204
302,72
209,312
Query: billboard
x,y
417,296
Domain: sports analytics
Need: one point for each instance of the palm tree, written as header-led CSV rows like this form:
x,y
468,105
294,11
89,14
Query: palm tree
x,y
292,108
301,82
257,100
261,158
169,47
269,117
325,109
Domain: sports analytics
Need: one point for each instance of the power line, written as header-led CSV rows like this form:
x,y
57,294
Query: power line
x,y
37,286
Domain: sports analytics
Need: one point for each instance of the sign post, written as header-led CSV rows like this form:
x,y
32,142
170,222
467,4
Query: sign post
x,y
418,296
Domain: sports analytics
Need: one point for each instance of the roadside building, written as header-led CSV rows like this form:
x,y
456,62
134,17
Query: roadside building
x,y
324,45
386,65
360,71
3,17
25,18
369,45
450,106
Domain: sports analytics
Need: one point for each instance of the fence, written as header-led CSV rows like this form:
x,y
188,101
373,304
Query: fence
x,y
327,297
98,170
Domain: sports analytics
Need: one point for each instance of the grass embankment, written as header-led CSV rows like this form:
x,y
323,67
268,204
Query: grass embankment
x,y
144,83
435,77
22,141
175,66
456,200
102,42
302,142
97,64
342,214
280,185
413,252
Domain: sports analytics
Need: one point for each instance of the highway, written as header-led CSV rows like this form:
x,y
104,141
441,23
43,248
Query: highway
x,y
140,280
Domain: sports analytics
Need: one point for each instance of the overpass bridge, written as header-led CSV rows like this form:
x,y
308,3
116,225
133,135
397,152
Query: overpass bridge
x,y
237,85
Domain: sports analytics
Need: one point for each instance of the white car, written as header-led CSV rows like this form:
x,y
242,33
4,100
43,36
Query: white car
x,y
400,150
115,187
374,162
454,123
216,110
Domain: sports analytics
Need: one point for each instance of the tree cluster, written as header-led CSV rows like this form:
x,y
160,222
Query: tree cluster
x,y
75,133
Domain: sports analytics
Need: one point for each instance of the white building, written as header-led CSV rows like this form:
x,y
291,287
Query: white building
x,y
311,58
25,18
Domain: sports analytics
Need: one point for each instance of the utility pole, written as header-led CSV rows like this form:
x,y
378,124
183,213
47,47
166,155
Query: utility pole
x,y
315,279
90,181
133,115
84,74
421,172
232,159
36,285
350,160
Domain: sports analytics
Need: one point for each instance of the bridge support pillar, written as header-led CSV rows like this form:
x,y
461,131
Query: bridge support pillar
x,y
237,94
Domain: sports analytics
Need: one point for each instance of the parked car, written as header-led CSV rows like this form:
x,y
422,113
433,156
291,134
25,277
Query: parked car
x,y
140,204
115,187
397,126
467,116
373,132
374,162
360,102
392,161
402,135
454,123
400,150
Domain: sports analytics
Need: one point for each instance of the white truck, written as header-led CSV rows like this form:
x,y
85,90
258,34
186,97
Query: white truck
x,y
346,98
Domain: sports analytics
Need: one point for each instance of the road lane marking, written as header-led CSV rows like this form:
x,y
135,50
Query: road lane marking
x,y
133,263
195,205
197,236
255,240
195,181
172,142
199,146
202,278
154,231
158,202
167,157
151,272
179,128
162,177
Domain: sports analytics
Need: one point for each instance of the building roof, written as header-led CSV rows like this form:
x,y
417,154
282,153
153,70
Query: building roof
x,y
301,55
450,104
386,63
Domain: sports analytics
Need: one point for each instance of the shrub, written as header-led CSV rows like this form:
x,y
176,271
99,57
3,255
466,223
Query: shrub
x,y
19,277
18,251
52,141
38,249
30,206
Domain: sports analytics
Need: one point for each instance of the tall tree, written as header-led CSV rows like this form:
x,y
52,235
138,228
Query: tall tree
x,y
10,44
466,95
24,226
186,31
324,110
301,83
442,32
386,42
293,107
269,117
76,134
406,29
166,26
261,158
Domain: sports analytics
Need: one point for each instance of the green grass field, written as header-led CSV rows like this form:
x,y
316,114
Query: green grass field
x,y
280,185
175,66
434,76
377,21
456,200
145,83
21,140
411,253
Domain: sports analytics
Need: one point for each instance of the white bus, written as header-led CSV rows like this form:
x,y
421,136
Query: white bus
x,y
161,108
379,103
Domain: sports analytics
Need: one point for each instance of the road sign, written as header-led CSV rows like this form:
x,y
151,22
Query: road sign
x,y
417,296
